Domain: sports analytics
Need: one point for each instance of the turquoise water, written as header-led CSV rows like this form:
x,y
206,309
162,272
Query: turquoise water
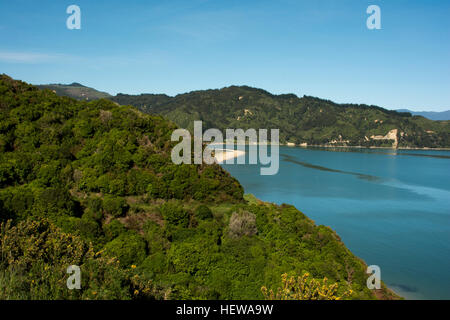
x,y
391,208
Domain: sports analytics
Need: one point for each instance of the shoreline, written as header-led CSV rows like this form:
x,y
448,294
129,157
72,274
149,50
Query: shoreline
x,y
362,147
330,146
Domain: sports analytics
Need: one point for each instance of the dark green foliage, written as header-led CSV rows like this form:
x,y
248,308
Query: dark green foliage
x,y
113,229
174,213
90,230
95,208
115,206
155,264
58,151
203,212
301,120
129,248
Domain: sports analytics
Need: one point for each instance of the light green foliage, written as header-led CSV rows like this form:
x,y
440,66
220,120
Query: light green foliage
x,y
129,248
305,288
174,213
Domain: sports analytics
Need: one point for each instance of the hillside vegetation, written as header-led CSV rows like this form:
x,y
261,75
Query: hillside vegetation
x,y
92,184
76,91
306,120
302,121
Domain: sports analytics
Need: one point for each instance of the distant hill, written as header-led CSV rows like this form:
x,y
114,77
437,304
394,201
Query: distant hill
x,y
306,121
432,115
76,91
302,121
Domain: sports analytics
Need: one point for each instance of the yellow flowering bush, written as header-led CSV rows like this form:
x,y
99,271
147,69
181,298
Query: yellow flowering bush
x,y
304,288
34,256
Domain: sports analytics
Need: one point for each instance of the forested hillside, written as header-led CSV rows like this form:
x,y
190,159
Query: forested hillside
x,y
76,91
305,120
92,184
302,121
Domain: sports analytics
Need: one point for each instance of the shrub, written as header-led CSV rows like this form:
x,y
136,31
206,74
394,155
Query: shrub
x,y
203,212
89,229
95,204
154,264
242,224
174,213
116,206
93,209
129,248
304,288
113,229
34,256
53,202
154,235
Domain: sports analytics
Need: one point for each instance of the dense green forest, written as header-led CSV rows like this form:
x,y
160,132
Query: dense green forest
x,y
305,120
92,184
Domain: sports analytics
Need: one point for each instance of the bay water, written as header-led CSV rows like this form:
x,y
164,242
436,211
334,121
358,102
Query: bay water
x,y
390,207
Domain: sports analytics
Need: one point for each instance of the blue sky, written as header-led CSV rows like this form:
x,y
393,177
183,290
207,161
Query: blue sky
x,y
318,47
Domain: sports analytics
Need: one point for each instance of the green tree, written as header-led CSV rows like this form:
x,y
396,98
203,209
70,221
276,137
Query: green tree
x,y
203,212
129,248
174,213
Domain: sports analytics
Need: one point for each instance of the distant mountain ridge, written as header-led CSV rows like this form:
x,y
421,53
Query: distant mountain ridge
x,y
302,121
75,90
432,115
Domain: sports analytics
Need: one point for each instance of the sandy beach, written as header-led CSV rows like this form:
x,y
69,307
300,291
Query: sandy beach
x,y
222,155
